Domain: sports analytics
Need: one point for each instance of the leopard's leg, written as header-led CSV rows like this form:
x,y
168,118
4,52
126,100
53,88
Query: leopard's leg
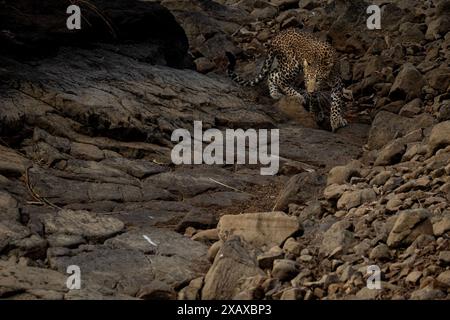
x,y
336,118
318,107
287,76
273,84
317,111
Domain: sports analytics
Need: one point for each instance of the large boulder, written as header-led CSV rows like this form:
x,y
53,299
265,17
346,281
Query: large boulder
x,y
343,174
408,83
439,78
408,226
386,126
31,282
129,263
233,262
352,199
392,153
38,32
299,189
337,238
439,137
259,229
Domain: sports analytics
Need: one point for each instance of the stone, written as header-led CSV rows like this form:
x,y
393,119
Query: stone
x,y
381,178
212,251
293,247
335,191
7,201
231,264
380,252
442,226
395,203
408,83
342,174
299,189
444,278
15,279
65,240
156,290
305,258
437,27
204,65
284,269
413,150
374,65
427,293
86,151
82,223
411,33
292,22
352,199
11,163
125,270
265,260
439,79
337,237
292,294
394,106
264,13
444,257
11,233
413,277
153,240
259,229
313,209
198,219
284,3
215,46
387,126
308,4
367,294
439,137
192,290
408,226
444,112
139,168
209,235
391,154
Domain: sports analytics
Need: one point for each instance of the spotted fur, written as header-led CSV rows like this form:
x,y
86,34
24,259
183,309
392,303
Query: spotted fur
x,y
295,52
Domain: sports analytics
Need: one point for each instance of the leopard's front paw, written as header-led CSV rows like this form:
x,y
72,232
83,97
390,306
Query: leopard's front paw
x,y
301,99
276,95
340,123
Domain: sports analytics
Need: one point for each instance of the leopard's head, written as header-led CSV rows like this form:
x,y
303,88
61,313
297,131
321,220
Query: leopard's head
x,y
311,73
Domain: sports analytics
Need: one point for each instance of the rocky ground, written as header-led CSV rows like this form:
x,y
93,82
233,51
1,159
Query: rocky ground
x,y
86,177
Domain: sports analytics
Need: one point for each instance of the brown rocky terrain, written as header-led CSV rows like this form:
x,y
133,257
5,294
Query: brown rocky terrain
x,y
86,177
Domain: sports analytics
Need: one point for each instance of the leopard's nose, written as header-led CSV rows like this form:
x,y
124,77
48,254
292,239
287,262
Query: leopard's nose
x,y
311,85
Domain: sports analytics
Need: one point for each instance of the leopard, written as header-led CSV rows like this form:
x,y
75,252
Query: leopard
x,y
299,51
